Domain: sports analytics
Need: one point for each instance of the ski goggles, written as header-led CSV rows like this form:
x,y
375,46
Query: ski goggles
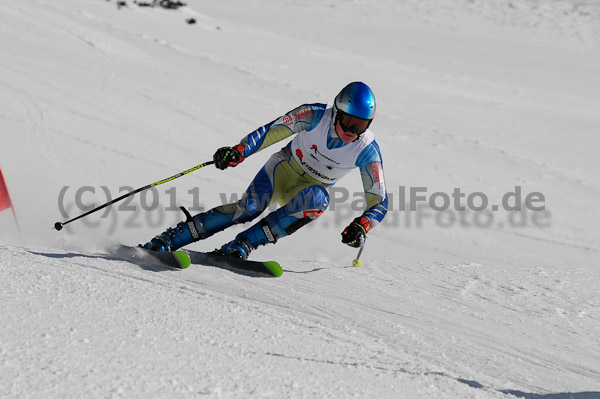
x,y
352,124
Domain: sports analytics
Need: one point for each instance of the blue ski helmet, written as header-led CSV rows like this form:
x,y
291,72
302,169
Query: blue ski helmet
x,y
356,99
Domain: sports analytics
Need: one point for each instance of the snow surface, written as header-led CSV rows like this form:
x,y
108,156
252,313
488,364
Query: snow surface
x,y
479,95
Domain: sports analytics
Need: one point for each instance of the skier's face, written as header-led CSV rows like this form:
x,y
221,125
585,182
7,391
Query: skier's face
x,y
349,127
346,137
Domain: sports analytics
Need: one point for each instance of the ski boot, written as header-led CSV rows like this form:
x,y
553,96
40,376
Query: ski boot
x,y
174,238
246,241
160,243
238,248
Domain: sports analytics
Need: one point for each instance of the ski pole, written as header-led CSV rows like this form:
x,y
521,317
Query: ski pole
x,y
357,262
58,225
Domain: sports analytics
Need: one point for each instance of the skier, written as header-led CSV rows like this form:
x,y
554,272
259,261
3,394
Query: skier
x,y
329,141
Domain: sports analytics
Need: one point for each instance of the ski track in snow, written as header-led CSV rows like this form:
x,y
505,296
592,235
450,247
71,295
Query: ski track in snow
x,y
482,95
84,320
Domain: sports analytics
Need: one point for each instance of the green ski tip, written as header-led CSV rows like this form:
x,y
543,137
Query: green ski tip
x,y
274,268
183,259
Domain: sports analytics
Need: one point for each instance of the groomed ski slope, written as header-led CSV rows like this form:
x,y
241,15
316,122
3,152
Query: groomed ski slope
x,y
81,325
483,96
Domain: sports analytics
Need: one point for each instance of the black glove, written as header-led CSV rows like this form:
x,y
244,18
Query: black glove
x,y
356,233
229,156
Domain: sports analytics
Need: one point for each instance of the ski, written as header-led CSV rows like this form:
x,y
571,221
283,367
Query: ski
x,y
269,268
176,259
182,260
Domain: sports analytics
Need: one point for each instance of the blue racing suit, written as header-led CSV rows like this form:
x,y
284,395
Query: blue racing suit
x,y
298,177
